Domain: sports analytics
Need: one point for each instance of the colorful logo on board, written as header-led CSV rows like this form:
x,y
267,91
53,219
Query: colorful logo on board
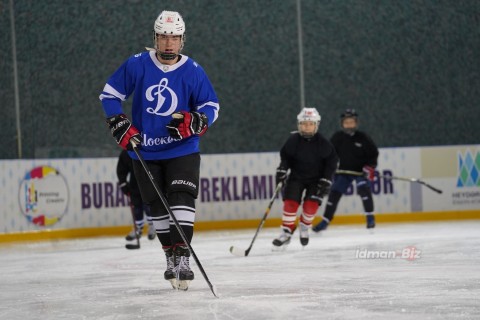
x,y
468,169
43,196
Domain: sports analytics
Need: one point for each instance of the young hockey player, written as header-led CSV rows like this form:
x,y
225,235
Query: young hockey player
x,y
312,161
357,152
129,186
163,83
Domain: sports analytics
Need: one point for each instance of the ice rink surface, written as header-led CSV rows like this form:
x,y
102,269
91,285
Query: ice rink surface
x,y
399,271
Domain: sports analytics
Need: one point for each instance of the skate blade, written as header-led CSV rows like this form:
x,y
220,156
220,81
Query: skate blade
x,y
280,248
183,284
174,284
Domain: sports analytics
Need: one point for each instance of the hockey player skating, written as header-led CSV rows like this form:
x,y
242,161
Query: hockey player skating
x,y
307,164
129,186
165,83
357,152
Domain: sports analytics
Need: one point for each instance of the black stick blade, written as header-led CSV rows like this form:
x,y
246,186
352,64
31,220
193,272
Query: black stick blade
x,y
130,246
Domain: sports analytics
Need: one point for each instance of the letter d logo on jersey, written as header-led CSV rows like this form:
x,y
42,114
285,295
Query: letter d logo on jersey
x,y
155,92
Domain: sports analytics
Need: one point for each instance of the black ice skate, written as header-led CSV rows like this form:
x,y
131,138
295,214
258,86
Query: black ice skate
x,y
304,234
182,269
283,240
370,221
169,274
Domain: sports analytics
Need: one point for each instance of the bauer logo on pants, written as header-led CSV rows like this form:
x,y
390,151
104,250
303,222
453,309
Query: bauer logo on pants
x,y
43,196
185,183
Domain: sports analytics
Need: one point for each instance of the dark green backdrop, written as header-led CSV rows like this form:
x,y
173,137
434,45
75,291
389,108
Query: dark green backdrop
x,y
411,69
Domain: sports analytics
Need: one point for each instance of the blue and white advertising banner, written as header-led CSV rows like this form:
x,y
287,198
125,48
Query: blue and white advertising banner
x,y
79,193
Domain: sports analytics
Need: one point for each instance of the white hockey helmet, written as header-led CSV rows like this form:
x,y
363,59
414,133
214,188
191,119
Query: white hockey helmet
x,y
308,114
169,23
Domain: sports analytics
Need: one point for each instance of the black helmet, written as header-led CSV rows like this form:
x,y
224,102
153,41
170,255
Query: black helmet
x,y
349,113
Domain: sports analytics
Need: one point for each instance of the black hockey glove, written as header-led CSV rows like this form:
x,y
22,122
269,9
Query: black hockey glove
x,y
323,188
281,175
125,188
122,130
187,124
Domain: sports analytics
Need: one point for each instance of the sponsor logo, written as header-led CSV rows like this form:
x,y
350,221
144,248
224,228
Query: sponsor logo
x,y
467,193
185,183
43,196
468,169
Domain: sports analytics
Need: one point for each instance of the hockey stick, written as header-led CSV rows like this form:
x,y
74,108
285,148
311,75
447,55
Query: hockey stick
x,y
355,173
244,253
131,246
175,221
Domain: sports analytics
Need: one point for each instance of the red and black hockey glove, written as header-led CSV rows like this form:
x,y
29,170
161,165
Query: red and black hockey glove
x,y
186,124
122,130
369,172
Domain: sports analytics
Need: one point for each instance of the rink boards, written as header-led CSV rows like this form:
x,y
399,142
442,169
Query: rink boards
x,y
80,197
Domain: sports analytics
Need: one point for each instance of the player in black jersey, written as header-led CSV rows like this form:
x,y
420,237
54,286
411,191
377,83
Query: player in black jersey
x,y
129,186
312,161
357,152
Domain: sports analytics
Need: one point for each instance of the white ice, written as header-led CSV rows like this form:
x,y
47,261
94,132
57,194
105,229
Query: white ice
x,y
329,279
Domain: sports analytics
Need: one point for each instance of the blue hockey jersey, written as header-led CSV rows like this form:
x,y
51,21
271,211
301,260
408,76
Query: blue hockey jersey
x,y
158,91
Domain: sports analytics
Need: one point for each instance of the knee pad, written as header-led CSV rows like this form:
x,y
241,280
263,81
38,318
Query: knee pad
x,y
157,208
183,186
181,198
290,206
366,194
310,207
364,191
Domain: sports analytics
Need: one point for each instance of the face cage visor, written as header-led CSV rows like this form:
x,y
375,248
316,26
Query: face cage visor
x,y
167,55
307,135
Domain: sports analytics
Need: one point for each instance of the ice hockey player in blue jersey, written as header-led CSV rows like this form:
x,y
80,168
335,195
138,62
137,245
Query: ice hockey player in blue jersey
x,y
165,82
